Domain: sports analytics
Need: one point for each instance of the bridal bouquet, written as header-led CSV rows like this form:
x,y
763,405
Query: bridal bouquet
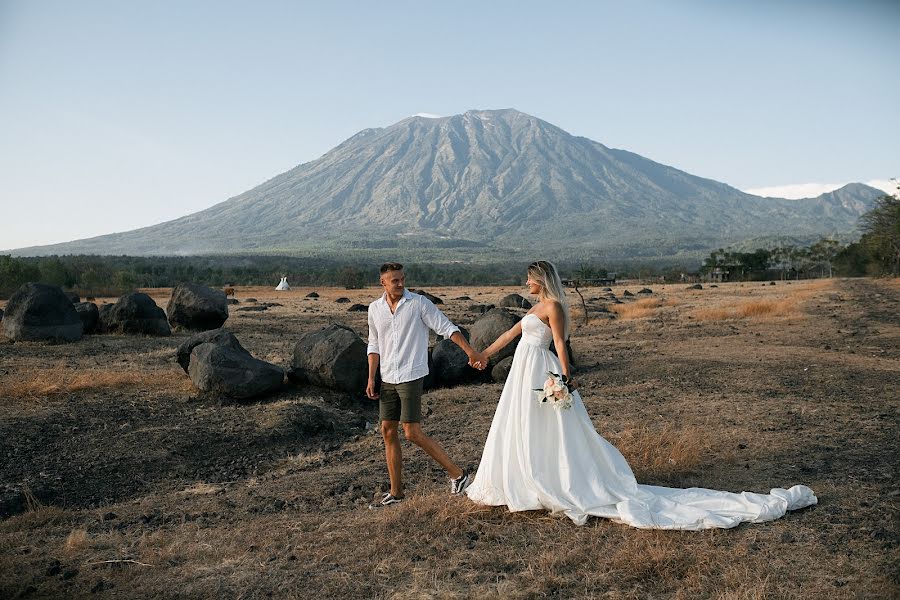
x,y
556,391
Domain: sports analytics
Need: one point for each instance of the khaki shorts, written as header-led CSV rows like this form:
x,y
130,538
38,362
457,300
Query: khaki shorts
x,y
401,401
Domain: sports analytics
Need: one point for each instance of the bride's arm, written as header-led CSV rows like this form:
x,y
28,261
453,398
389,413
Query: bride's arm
x,y
558,328
501,342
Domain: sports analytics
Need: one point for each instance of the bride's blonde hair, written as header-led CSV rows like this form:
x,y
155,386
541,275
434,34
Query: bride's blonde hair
x,y
544,273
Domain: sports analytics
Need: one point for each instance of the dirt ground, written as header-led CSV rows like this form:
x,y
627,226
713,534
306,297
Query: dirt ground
x,y
135,486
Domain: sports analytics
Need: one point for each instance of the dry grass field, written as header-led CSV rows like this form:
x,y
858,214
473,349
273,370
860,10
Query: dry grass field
x,y
137,487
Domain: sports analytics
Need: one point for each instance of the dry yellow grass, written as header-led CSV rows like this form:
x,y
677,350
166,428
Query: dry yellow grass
x,y
76,541
765,308
639,309
54,381
660,451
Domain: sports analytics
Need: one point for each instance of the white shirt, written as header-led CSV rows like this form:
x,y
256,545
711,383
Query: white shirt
x,y
401,337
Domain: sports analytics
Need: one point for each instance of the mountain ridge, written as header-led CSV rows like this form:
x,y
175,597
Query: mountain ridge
x,y
500,178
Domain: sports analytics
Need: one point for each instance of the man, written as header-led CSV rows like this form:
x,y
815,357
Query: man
x,y
398,342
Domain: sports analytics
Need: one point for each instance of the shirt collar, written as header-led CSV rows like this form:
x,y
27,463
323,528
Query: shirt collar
x,y
407,295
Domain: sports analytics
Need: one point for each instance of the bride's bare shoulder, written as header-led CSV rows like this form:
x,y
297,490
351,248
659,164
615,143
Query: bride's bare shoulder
x,y
553,307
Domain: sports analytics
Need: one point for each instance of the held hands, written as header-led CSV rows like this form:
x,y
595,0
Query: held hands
x,y
570,383
478,361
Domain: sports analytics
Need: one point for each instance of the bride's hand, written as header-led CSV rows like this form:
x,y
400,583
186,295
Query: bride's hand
x,y
570,383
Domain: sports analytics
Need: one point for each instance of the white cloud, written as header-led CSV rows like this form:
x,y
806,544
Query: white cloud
x,y
811,190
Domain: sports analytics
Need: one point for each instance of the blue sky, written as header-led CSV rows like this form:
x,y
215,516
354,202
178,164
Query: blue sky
x,y
117,115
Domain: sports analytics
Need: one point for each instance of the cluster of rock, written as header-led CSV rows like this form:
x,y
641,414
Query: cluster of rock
x,y
38,311
217,363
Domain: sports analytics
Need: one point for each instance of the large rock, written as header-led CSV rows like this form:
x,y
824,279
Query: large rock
x,y
489,327
219,369
135,313
501,370
197,307
515,301
37,311
89,315
450,364
73,297
434,299
1,314
334,357
220,337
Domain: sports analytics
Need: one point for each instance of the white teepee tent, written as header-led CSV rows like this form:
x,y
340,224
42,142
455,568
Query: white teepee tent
x,y
283,285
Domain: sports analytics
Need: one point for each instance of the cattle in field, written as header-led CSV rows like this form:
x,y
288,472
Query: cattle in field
x,y
229,292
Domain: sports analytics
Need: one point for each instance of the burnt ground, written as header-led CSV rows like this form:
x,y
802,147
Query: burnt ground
x,y
193,496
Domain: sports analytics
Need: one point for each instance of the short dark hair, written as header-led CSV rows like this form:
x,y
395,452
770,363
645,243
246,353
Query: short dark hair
x,y
390,266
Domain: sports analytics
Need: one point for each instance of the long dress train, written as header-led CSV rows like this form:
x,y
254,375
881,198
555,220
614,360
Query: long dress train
x,y
539,457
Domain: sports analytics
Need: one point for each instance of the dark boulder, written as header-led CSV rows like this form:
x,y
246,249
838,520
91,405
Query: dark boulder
x,y
197,307
233,301
103,311
73,297
489,327
250,300
358,308
450,364
462,298
37,311
258,308
219,369
219,337
434,299
696,286
646,291
515,301
1,314
480,308
334,358
312,295
89,315
501,370
343,300
135,313
627,294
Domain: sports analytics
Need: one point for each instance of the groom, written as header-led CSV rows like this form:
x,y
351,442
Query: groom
x,y
398,341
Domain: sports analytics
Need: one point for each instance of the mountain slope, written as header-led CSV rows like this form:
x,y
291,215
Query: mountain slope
x,y
500,177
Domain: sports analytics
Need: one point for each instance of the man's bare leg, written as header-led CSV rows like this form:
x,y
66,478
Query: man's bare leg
x,y
414,433
393,454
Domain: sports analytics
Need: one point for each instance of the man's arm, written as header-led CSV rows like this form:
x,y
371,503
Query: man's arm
x,y
371,392
474,357
374,356
441,325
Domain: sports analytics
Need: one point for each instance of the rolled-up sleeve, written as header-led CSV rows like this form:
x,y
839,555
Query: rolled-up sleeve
x,y
436,320
372,347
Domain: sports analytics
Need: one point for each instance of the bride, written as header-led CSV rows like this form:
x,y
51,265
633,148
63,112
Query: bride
x,y
539,456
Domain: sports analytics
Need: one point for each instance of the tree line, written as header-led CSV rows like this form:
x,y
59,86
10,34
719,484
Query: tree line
x,y
876,253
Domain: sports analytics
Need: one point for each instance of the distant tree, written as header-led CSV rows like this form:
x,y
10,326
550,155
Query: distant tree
x,y
881,234
823,253
55,272
14,272
352,278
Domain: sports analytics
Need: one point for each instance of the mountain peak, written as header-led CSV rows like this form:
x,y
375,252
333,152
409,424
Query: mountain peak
x,y
496,177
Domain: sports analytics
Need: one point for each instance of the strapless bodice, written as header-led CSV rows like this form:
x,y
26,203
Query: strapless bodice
x,y
535,332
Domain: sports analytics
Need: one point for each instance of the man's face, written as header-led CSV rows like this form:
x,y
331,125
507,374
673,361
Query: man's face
x,y
393,282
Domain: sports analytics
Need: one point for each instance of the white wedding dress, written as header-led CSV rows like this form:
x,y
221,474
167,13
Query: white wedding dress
x,y
540,457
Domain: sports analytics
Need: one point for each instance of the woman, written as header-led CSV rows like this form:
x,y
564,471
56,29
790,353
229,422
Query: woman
x,y
540,456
